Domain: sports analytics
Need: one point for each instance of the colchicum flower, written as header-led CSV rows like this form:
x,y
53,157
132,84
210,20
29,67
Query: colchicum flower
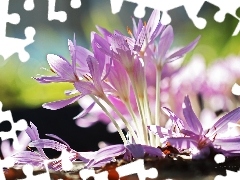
x,y
125,74
191,135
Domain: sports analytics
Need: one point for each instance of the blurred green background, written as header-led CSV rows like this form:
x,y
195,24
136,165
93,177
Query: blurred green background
x,y
19,90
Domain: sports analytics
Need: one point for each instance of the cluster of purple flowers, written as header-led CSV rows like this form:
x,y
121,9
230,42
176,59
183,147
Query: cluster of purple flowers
x,y
117,75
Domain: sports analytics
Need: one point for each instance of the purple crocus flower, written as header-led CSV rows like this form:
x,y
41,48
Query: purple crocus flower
x,y
192,134
37,158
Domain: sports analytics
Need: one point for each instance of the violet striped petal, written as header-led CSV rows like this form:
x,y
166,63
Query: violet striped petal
x,y
152,151
85,111
32,132
191,118
183,51
106,154
228,144
104,32
221,125
29,157
50,79
61,67
58,138
47,143
152,22
174,118
160,131
165,43
87,156
183,142
60,104
136,150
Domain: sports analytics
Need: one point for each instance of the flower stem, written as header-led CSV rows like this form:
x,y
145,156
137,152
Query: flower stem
x,y
123,119
111,118
157,105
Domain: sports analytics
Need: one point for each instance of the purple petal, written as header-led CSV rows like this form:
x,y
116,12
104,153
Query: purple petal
x,y
93,66
191,118
106,154
61,67
140,39
50,79
159,29
183,51
228,144
84,88
32,132
29,157
136,150
183,142
60,104
87,156
58,138
165,43
152,151
47,143
85,111
174,118
104,32
153,22
160,131
102,44
221,125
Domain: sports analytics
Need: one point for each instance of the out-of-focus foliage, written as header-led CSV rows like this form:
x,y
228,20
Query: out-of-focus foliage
x,y
18,89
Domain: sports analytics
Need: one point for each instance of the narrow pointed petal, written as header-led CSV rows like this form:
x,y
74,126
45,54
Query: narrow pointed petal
x,y
191,118
221,125
47,143
153,22
61,67
60,104
228,144
174,118
85,111
106,154
180,53
32,132
58,138
140,39
93,66
34,135
87,156
50,79
165,43
104,32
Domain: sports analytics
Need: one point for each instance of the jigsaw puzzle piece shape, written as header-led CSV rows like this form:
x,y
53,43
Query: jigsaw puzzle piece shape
x,y
20,125
29,5
13,18
28,171
137,167
75,4
10,45
227,26
5,163
53,15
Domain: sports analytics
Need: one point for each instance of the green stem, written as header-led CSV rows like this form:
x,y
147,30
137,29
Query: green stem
x,y
111,118
123,119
